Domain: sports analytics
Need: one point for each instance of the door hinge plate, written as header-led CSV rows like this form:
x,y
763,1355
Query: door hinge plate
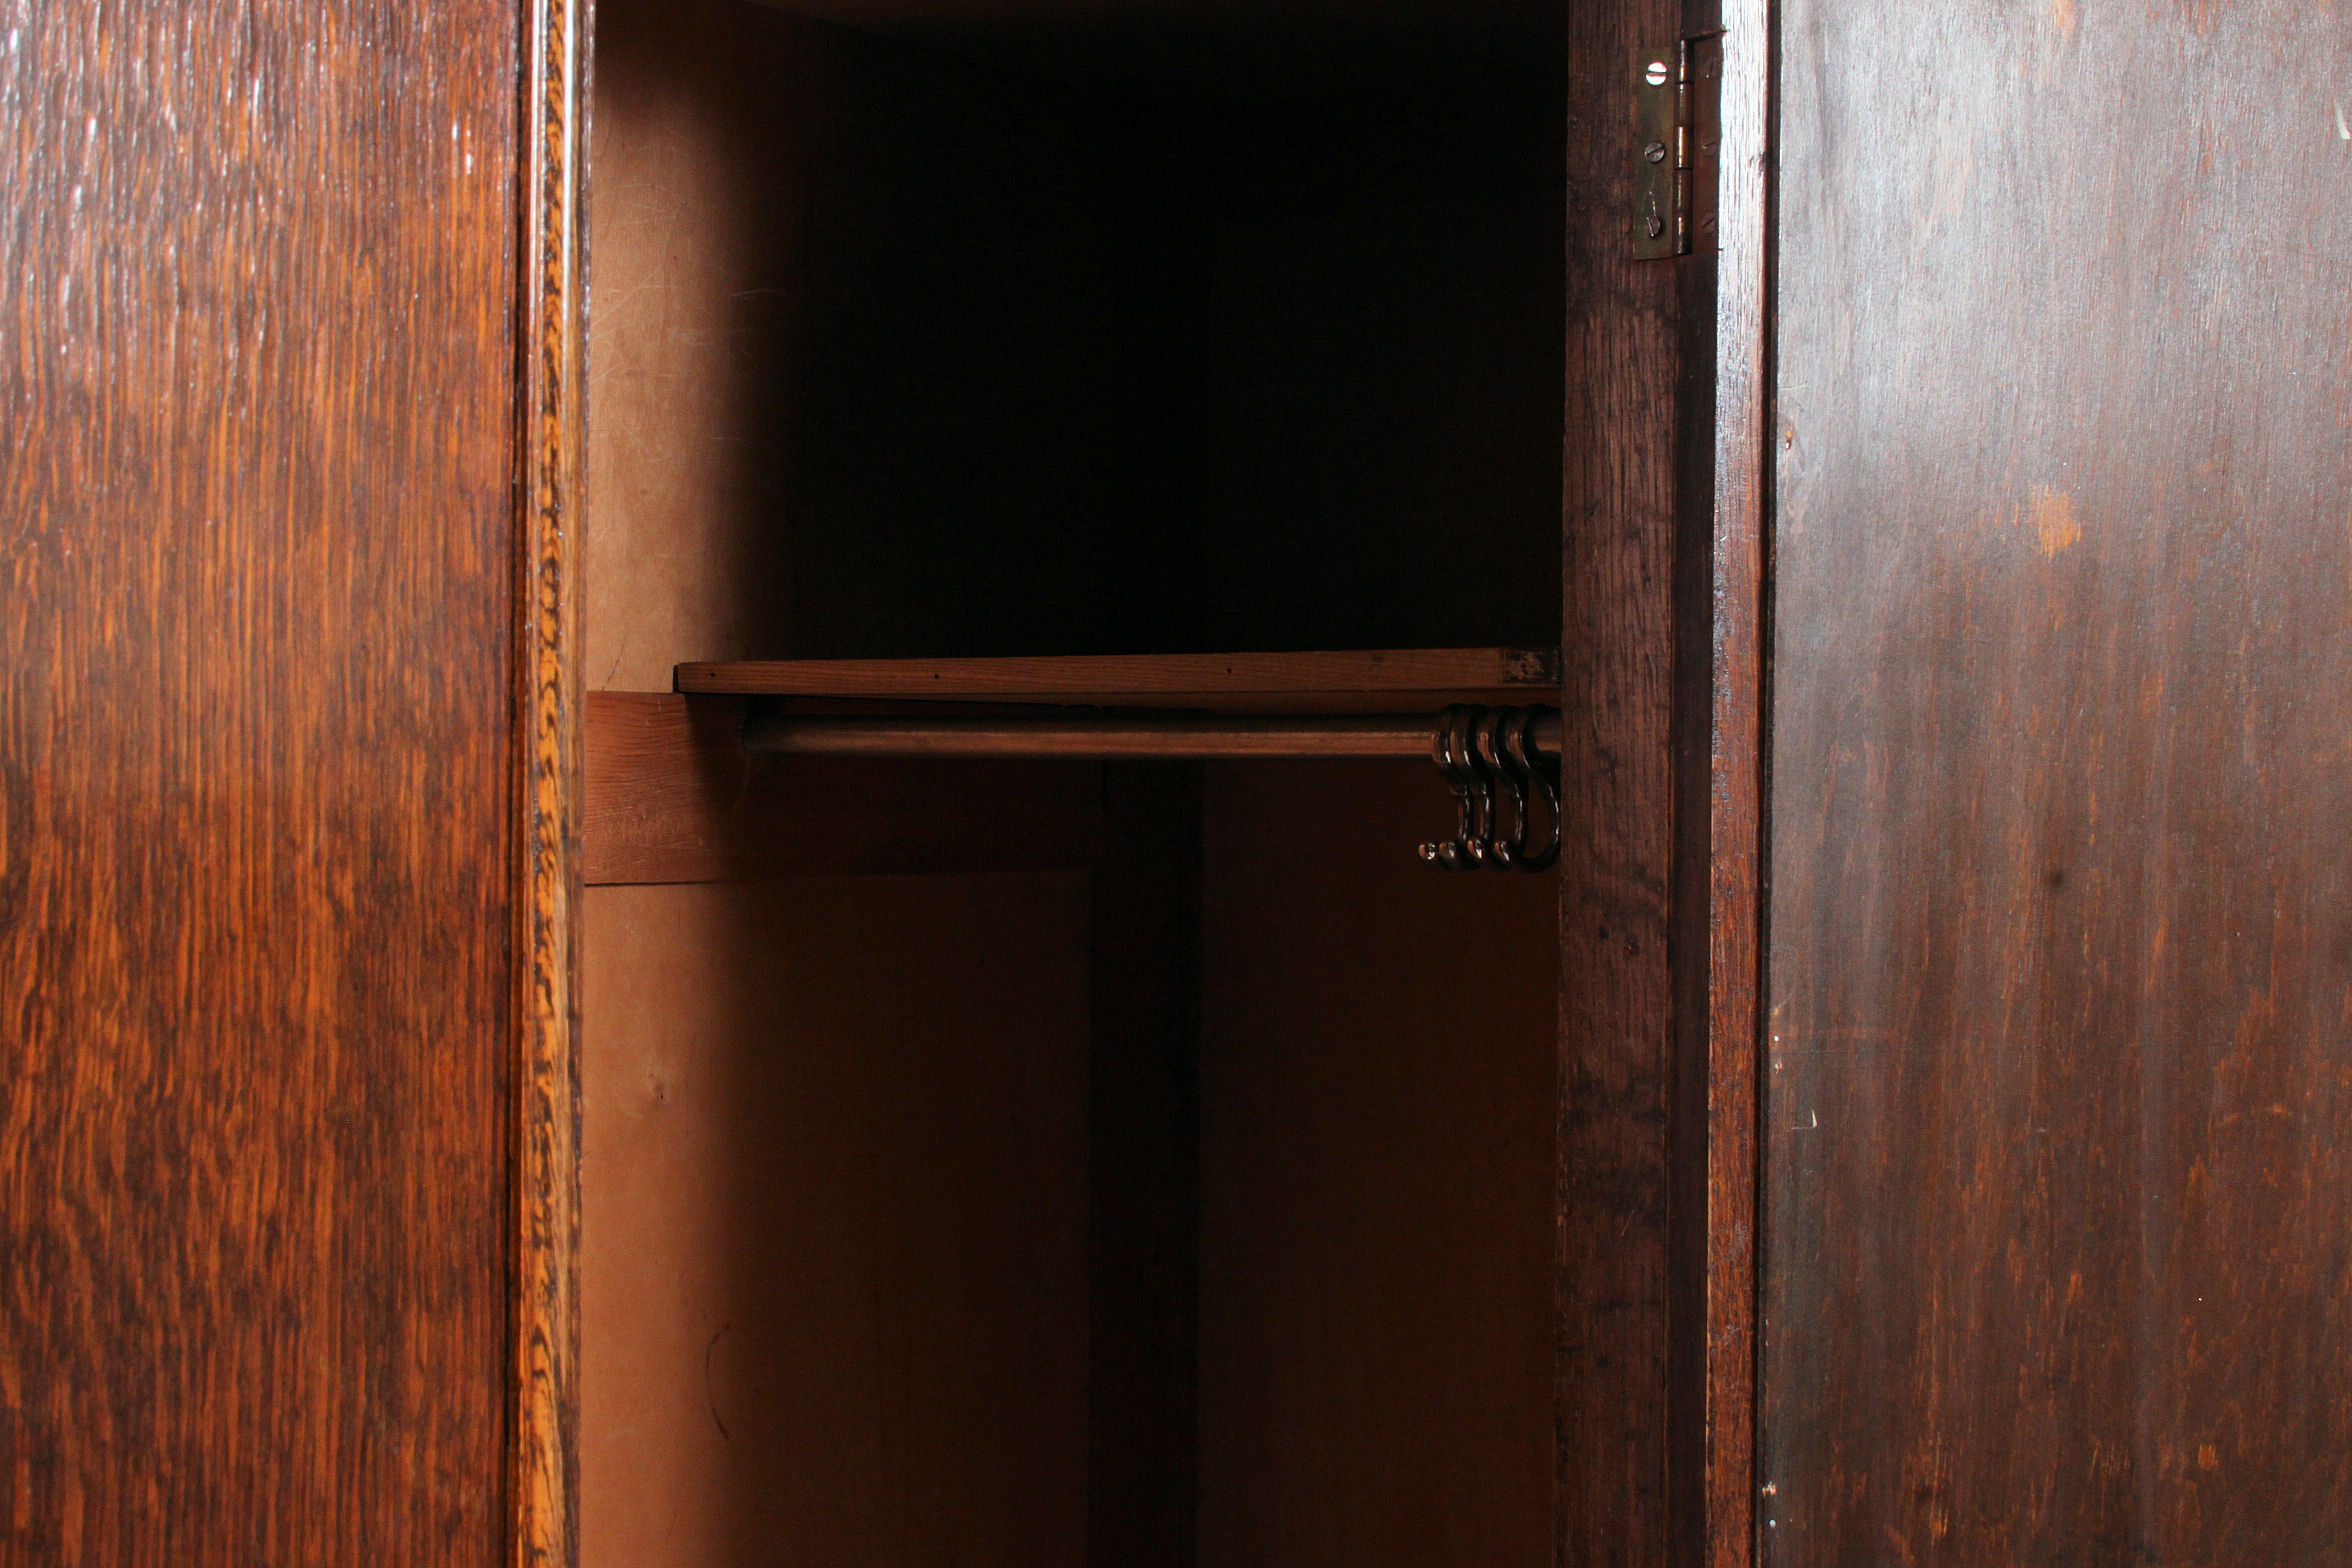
x,y
1677,142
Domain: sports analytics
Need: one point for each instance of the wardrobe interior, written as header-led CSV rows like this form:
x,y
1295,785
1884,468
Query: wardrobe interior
x,y
1169,1179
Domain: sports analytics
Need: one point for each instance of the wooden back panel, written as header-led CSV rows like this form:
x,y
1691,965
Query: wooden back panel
x,y
256,495
834,1242
2059,1124
1377,1148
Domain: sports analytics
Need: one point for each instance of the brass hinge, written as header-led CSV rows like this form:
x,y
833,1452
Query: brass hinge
x,y
1677,144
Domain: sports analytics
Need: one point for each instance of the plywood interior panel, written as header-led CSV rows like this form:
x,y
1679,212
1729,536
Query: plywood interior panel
x,y
1376,1181
2059,1127
834,1268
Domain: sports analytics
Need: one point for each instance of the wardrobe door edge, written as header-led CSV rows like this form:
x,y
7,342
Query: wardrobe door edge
x,y
552,345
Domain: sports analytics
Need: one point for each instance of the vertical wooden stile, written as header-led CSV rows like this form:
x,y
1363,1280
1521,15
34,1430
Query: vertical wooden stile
x,y
552,347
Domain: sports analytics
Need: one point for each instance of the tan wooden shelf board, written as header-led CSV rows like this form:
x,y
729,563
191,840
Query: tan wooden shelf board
x,y
1370,681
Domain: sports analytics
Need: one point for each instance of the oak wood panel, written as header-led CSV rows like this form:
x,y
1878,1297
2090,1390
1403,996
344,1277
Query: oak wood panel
x,y
2059,1129
1369,681
672,796
256,869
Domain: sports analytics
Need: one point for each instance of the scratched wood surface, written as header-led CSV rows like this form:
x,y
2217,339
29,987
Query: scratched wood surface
x,y
257,411
1619,1384
2059,1132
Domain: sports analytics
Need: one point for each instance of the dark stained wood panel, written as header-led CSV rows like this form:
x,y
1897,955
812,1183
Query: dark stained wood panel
x,y
2059,1127
257,414
1624,495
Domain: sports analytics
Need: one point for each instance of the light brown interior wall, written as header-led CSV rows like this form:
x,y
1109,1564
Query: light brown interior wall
x,y
834,1179
834,1223
673,357
1376,1182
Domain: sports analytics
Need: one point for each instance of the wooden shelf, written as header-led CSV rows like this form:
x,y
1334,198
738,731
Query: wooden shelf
x,y
1377,681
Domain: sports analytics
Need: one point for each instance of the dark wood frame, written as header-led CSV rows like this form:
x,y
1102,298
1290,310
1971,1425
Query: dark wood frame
x,y
1667,589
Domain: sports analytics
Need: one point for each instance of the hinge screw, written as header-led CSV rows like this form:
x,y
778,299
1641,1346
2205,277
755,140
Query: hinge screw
x,y
1655,152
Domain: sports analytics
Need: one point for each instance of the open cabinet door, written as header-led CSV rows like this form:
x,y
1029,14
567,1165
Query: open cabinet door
x,y
2057,1131
265,966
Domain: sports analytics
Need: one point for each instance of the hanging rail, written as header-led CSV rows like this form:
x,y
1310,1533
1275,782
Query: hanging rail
x,y
1490,757
1112,737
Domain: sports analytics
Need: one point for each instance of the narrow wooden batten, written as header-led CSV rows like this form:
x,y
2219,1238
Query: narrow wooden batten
x,y
1112,737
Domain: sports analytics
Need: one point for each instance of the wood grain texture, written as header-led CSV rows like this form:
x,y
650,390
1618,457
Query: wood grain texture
x,y
1357,681
551,438
671,796
1618,1002
2059,1128
257,458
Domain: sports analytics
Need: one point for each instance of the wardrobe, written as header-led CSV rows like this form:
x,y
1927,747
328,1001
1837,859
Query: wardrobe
x,y
1175,783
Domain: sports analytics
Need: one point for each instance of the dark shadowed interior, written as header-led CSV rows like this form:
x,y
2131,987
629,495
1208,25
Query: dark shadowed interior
x,y
1196,1209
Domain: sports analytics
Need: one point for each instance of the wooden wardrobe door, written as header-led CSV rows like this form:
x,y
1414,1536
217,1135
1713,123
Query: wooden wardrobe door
x,y
257,446
2058,1123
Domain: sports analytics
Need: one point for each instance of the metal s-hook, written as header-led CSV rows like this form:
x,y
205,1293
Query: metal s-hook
x,y
1478,751
1497,762
1525,762
1471,742
1448,748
